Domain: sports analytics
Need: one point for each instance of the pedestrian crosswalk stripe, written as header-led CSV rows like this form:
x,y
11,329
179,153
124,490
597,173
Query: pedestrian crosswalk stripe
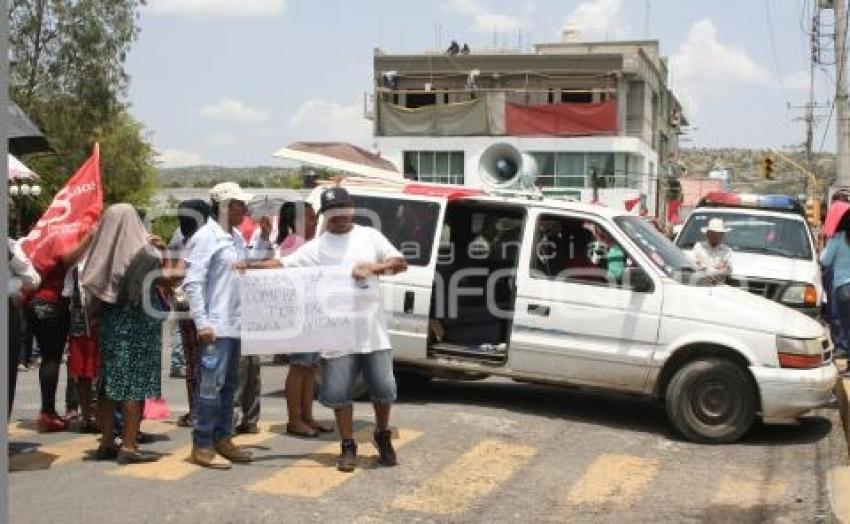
x,y
177,466
474,475
70,450
20,429
616,480
748,489
316,474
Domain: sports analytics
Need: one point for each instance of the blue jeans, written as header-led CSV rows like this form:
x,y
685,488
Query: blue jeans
x,y
214,417
340,373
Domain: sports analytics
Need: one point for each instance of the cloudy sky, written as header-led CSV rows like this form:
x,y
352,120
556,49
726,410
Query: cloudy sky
x,y
230,81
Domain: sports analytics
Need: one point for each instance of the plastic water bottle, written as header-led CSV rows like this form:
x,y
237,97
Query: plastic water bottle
x,y
209,363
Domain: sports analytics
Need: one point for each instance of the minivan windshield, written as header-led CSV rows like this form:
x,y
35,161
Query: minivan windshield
x,y
663,253
761,234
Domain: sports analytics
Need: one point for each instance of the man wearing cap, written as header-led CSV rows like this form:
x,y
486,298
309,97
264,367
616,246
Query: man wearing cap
x,y
213,291
370,254
713,258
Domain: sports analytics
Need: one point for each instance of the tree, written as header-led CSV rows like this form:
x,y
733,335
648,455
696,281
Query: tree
x,y
68,75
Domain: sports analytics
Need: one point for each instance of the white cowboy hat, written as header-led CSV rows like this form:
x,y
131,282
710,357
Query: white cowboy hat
x,y
715,225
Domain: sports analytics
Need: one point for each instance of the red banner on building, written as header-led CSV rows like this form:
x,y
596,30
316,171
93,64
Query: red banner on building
x,y
73,212
561,119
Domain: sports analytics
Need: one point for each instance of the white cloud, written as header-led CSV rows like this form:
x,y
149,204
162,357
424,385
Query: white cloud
x,y
224,8
597,19
178,158
321,120
704,66
232,110
490,22
483,19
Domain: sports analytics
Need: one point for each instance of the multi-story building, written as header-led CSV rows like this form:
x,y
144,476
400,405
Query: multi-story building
x,y
598,118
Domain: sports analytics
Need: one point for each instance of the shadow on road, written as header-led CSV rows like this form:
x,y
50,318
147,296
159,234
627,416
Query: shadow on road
x,y
611,410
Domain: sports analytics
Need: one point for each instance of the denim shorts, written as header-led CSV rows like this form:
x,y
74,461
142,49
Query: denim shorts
x,y
304,359
339,375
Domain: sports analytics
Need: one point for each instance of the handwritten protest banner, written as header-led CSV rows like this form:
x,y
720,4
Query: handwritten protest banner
x,y
299,310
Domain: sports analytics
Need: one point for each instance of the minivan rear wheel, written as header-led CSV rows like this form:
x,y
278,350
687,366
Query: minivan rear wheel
x,y
711,401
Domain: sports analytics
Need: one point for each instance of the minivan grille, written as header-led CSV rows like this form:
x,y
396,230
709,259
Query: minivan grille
x,y
769,289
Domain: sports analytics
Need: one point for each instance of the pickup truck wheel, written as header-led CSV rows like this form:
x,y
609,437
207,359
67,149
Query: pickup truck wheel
x,y
711,401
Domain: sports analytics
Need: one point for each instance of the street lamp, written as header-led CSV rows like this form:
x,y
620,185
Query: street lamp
x,y
21,192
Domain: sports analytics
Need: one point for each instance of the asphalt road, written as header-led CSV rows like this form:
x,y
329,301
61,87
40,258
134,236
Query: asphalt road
x,y
489,451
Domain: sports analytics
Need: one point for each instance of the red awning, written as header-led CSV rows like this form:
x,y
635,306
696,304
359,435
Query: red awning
x,y
450,193
561,119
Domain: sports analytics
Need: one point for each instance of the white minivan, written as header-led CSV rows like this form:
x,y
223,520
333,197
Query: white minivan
x,y
773,249
563,293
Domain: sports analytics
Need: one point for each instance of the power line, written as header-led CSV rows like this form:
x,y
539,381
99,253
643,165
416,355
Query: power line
x,y
775,53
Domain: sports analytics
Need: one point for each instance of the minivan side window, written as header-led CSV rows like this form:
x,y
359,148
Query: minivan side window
x,y
409,225
577,250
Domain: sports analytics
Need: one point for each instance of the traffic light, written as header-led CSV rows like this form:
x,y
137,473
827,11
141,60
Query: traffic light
x,y
813,211
767,167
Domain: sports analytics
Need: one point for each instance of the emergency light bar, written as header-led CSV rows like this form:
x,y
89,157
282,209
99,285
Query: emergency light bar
x,y
752,201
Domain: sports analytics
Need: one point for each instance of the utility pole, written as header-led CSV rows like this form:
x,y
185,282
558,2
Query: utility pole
x,y
842,129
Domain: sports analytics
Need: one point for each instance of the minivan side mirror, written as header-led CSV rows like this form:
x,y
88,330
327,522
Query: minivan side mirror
x,y
636,279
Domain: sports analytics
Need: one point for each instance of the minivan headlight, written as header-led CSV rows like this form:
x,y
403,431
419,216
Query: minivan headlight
x,y
800,295
799,353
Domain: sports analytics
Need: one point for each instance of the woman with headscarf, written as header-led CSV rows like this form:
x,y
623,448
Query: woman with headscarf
x,y
192,214
117,274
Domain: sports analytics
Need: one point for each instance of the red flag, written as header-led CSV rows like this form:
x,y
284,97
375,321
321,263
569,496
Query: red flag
x,y
73,212
673,212
630,203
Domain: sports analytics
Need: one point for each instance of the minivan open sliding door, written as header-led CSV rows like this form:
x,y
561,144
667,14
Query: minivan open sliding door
x,y
413,224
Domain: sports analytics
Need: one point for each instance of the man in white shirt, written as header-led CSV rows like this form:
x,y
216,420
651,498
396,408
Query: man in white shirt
x,y
369,254
713,258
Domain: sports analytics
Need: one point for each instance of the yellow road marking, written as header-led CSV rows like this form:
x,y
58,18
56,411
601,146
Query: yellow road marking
x,y
617,480
20,429
316,474
475,474
71,450
748,490
176,465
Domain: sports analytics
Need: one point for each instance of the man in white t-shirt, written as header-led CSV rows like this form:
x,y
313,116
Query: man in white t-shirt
x,y
369,254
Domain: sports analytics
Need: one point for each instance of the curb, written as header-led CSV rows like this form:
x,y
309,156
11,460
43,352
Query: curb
x,y
838,479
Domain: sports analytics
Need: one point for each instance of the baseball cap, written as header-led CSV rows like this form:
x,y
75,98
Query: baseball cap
x,y
334,197
229,191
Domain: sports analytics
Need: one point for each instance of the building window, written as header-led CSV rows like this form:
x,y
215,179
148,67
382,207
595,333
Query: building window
x,y
415,100
572,170
576,97
441,167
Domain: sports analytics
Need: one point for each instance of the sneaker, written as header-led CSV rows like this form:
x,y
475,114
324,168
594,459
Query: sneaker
x,y
382,439
136,456
227,449
48,423
207,458
347,460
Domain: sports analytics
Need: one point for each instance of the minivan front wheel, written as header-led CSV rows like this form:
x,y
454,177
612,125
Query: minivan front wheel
x,y
711,401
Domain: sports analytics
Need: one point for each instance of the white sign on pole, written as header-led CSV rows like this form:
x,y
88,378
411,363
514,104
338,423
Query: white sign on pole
x,y
315,309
